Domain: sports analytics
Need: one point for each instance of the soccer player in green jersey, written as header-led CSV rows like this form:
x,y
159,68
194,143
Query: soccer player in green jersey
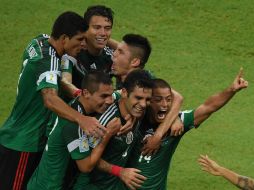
x,y
133,53
136,94
95,55
68,141
155,167
23,134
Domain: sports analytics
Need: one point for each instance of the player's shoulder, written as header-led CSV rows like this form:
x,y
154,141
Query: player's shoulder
x,y
187,117
75,104
109,114
39,48
67,62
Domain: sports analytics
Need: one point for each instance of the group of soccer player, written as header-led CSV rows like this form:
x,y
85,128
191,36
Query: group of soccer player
x,y
107,137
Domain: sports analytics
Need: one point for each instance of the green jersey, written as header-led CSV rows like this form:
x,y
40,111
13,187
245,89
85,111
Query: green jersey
x,y
86,62
66,141
117,151
24,130
155,168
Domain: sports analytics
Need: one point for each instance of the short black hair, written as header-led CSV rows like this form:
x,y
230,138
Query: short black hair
x,y
98,10
137,78
68,23
93,79
140,42
160,83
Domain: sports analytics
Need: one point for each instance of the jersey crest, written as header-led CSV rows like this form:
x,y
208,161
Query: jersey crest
x,y
129,137
93,66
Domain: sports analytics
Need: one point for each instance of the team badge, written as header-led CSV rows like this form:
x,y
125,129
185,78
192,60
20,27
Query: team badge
x,y
93,66
51,78
84,145
93,142
129,137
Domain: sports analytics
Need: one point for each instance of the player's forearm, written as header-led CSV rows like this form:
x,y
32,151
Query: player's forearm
x,y
217,101
54,103
96,154
104,166
212,104
242,182
171,116
112,43
68,88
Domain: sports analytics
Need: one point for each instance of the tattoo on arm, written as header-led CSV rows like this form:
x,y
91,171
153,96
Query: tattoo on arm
x,y
245,183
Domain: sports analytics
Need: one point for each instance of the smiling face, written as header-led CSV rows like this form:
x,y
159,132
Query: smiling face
x,y
101,99
72,46
161,103
99,32
137,101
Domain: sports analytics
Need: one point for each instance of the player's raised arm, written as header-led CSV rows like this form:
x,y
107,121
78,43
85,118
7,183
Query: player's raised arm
x,y
215,102
213,168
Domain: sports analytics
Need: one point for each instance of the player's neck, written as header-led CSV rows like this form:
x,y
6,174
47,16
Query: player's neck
x,y
123,77
94,51
57,46
85,104
124,112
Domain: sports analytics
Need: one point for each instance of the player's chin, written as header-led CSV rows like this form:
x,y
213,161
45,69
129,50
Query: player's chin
x,y
100,45
137,114
74,53
102,109
159,120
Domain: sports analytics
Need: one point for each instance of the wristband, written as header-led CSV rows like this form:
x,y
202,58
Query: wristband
x,y
115,170
77,92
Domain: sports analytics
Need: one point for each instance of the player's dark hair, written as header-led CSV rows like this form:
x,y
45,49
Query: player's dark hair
x,y
137,78
68,23
142,44
160,83
98,10
93,79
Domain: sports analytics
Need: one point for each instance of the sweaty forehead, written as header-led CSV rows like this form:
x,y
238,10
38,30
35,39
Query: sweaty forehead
x,y
162,92
123,46
97,19
141,91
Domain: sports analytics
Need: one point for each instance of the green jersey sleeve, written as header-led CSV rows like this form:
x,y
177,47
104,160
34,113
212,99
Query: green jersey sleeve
x,y
76,141
67,63
187,117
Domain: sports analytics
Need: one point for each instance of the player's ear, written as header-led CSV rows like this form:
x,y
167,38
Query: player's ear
x,y
124,93
86,93
135,62
64,38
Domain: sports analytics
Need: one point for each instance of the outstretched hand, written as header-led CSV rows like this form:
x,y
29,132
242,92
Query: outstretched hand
x,y
239,82
209,165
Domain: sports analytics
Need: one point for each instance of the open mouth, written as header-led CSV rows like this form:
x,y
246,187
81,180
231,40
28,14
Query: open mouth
x,y
161,114
139,110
